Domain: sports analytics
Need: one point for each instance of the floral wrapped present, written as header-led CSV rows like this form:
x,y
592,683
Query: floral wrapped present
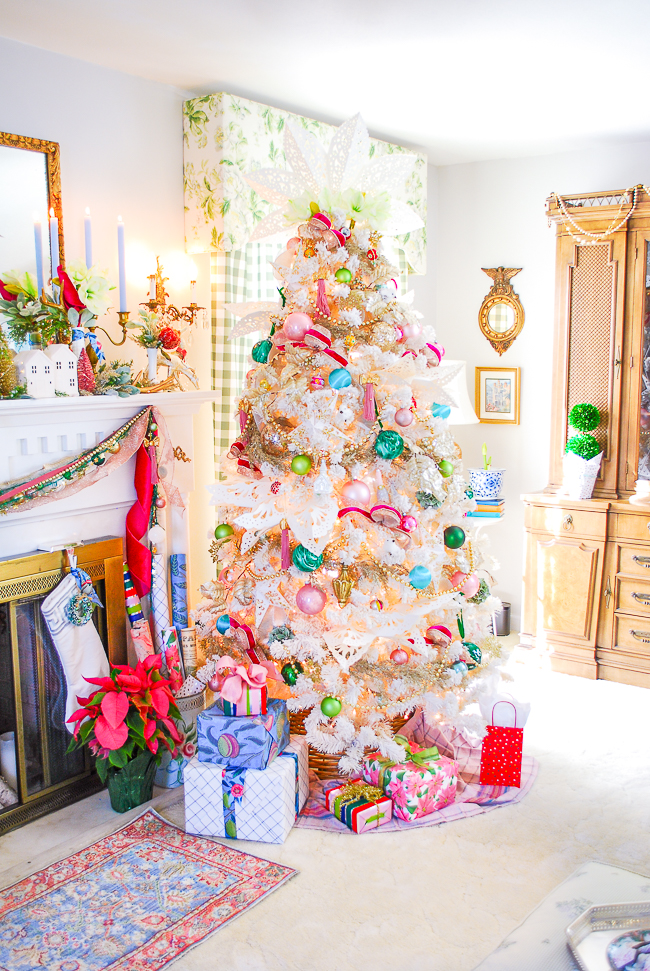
x,y
252,742
169,773
424,782
241,689
248,804
359,805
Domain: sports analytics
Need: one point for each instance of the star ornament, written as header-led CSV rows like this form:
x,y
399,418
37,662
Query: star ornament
x,y
343,178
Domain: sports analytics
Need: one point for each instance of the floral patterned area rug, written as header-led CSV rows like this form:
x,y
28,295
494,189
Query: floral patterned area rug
x,y
137,900
471,799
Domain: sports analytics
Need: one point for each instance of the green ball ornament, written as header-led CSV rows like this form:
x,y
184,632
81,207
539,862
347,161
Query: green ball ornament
x,y
389,445
454,537
290,672
473,650
261,351
343,275
445,468
305,560
223,530
301,464
330,706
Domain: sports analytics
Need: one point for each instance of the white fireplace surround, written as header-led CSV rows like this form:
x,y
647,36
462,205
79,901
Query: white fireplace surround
x,y
49,432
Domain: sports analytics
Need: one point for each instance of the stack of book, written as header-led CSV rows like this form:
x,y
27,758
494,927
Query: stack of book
x,y
487,509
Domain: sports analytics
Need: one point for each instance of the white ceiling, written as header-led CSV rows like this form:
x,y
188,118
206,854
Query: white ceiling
x,y
464,79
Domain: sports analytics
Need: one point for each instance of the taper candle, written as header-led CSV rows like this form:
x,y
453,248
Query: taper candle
x,y
38,244
152,286
121,265
88,238
54,244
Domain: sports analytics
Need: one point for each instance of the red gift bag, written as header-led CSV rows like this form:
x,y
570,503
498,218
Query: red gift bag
x,y
501,754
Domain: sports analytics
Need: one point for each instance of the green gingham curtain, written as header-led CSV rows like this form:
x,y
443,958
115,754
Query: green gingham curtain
x,y
240,276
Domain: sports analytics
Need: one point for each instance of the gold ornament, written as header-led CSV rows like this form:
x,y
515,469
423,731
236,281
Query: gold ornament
x,y
271,441
349,340
243,591
343,586
383,334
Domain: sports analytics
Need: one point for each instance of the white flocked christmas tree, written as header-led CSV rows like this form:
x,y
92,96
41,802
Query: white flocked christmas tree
x,y
342,543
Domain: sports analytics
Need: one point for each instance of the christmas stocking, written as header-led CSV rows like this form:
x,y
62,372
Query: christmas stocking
x,y
76,640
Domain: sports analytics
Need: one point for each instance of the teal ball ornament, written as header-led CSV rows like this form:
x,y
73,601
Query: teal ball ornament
x,y
223,530
343,275
290,672
460,667
445,468
440,411
340,378
223,623
389,445
301,464
420,577
473,650
305,560
330,706
261,351
454,537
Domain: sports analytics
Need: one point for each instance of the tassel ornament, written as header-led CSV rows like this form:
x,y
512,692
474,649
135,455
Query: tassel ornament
x,y
285,558
369,407
321,299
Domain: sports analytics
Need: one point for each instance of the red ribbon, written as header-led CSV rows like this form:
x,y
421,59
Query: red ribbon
x,y
137,523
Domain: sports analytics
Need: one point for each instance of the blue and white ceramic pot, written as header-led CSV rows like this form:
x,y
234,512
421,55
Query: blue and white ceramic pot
x,y
486,484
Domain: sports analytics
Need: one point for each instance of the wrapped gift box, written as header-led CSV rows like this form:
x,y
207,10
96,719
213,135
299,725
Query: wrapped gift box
x,y
252,702
359,805
423,783
250,742
248,804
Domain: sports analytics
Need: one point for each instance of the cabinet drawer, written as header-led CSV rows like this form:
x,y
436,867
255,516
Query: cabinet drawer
x,y
569,522
632,634
634,560
633,596
633,527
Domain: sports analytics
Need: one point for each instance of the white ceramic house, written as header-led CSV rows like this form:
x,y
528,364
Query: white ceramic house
x,y
64,363
35,369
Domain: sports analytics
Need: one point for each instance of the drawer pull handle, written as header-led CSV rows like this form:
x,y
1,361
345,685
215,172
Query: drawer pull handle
x,y
608,593
642,560
567,522
642,598
641,635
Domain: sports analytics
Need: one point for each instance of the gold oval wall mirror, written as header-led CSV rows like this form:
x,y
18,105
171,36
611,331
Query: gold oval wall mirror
x,y
501,316
30,185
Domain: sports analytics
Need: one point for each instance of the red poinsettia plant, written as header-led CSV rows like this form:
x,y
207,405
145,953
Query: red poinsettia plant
x,y
132,710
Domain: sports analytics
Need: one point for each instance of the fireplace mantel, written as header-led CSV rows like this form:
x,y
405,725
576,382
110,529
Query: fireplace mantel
x,y
47,432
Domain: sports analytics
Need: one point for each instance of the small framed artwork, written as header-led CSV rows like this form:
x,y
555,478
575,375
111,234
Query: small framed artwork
x,y
497,395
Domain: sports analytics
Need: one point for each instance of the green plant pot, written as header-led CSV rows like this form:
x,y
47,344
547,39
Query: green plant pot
x,y
131,786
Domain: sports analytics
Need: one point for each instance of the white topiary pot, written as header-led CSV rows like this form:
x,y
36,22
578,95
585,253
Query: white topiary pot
x,y
580,475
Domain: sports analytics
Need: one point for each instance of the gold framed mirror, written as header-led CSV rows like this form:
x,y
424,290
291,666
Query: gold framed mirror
x,y
30,186
501,316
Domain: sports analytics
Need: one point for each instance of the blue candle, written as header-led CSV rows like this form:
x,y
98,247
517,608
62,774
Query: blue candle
x,y
54,248
121,263
88,239
38,243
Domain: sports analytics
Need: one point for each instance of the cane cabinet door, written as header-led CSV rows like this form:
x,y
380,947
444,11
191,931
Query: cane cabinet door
x,y
635,456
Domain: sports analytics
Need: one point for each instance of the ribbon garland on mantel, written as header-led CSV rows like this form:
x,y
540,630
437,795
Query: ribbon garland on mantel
x,y
153,466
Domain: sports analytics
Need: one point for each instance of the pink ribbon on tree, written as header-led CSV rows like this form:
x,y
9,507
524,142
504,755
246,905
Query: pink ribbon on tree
x,y
235,686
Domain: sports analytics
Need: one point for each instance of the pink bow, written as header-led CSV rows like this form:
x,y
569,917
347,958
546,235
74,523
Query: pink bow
x,y
235,685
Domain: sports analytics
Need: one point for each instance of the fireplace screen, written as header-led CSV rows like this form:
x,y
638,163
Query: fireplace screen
x,y
38,773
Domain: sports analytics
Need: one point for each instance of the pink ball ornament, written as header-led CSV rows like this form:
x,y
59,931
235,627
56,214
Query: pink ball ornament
x,y
356,493
293,244
403,417
214,684
399,334
411,329
399,656
310,599
439,635
409,523
296,326
317,381
161,502
471,584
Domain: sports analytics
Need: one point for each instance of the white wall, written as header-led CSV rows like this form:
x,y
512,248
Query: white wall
x,y
492,214
121,140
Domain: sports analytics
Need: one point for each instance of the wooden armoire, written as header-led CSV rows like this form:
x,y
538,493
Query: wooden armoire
x,y
587,562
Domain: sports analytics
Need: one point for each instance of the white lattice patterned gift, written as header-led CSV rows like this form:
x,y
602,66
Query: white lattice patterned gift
x,y
267,811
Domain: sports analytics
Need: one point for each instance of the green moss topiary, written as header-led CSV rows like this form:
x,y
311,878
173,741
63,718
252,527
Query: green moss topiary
x,y
586,446
584,418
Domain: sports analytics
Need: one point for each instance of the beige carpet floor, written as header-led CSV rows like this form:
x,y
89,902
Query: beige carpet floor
x,y
437,899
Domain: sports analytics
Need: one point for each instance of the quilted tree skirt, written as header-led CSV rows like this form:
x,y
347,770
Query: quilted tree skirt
x,y
471,800
137,899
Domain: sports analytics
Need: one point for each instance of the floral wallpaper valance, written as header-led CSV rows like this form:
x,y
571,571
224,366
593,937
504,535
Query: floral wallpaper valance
x,y
225,138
